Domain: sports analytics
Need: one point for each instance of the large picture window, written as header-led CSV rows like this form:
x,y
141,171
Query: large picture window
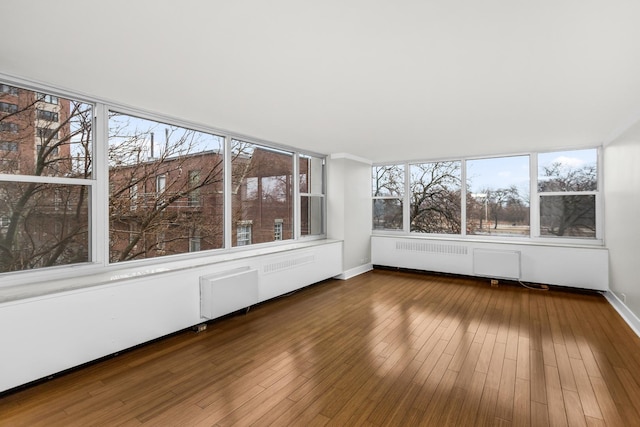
x,y
435,190
498,196
157,203
88,182
568,187
262,192
503,197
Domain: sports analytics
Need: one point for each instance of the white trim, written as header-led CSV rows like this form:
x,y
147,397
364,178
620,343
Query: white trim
x,y
350,157
627,315
353,272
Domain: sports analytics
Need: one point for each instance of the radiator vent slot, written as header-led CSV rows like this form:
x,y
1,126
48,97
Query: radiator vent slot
x,y
287,264
434,248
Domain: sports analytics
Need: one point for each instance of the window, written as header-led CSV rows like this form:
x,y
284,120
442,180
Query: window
x,y
194,184
265,174
8,127
312,195
498,196
53,150
46,133
388,197
46,202
277,230
8,146
568,188
9,90
50,116
133,196
6,107
161,184
154,180
194,242
503,197
49,99
435,190
243,233
166,188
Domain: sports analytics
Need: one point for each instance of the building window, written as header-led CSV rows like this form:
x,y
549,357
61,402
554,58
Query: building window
x,y
8,146
567,190
133,197
46,133
194,243
277,230
434,197
388,197
49,99
50,116
194,184
53,151
9,90
266,175
6,107
243,233
311,177
8,127
186,168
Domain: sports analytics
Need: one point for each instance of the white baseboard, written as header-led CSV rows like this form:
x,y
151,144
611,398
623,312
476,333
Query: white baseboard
x,y
627,315
353,272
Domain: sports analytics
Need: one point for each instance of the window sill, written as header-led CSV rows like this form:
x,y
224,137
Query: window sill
x,y
73,278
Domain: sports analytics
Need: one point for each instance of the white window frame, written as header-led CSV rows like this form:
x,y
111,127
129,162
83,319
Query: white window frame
x,y
534,205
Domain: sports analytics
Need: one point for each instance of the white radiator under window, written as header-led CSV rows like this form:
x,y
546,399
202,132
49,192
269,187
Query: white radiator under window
x,y
228,291
497,264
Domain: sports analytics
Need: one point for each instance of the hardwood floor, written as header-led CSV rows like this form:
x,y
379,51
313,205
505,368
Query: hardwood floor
x,y
384,348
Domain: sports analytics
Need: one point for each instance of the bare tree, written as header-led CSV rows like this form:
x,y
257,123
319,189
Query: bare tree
x,y
435,197
44,224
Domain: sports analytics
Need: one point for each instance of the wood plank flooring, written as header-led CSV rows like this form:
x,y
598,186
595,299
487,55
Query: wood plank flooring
x,y
384,348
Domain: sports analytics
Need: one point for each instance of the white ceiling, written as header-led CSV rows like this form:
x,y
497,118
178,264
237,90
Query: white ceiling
x,y
382,80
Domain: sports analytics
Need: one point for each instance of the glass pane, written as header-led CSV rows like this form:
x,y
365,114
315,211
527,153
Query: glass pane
x,y
311,175
165,187
387,214
568,216
498,196
435,197
568,171
311,215
44,135
262,192
388,180
43,225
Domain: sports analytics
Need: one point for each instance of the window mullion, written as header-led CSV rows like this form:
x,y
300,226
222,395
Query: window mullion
x,y
534,199
100,191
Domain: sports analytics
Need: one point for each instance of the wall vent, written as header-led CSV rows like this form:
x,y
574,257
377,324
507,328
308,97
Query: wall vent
x,y
434,248
287,264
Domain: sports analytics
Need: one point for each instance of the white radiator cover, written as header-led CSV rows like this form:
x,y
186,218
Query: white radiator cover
x,y
228,291
498,264
571,266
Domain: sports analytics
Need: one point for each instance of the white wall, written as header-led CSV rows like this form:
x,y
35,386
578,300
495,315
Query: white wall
x,y
349,210
622,216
